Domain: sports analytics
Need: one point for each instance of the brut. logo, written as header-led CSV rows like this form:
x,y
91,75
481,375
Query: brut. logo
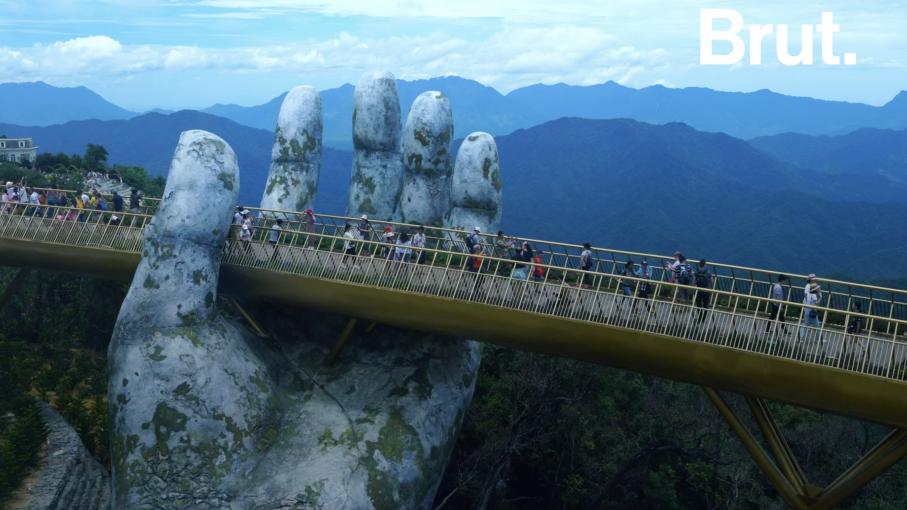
x,y
757,33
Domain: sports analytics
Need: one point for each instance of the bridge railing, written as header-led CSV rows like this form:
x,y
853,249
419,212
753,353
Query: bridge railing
x,y
72,226
841,295
872,300
847,340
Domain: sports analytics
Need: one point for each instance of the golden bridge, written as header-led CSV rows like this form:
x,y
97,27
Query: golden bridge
x,y
730,345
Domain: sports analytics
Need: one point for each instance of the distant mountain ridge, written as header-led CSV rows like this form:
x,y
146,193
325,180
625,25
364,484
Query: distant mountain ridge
x,y
481,108
40,104
616,183
740,114
478,108
866,152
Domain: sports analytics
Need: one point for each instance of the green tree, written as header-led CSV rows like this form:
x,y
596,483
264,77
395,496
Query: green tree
x,y
95,157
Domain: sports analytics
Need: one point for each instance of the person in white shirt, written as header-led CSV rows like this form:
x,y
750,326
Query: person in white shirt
x,y
349,242
274,238
404,248
810,314
811,279
419,243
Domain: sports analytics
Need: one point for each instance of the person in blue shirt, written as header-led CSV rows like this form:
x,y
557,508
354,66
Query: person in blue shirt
x,y
117,202
702,278
777,309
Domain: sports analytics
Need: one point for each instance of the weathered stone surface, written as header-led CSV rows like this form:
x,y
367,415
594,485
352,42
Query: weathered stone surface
x,y
186,393
426,159
476,185
205,415
377,176
296,154
70,477
372,430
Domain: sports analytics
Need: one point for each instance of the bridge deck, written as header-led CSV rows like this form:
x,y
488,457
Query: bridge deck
x,y
729,345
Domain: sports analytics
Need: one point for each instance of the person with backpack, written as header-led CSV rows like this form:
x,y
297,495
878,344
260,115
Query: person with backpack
x,y
644,289
473,240
702,277
777,309
682,274
523,257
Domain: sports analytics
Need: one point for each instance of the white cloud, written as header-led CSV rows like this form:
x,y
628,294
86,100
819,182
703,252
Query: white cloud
x,y
510,58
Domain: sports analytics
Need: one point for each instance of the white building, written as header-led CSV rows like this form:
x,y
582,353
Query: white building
x,y
17,149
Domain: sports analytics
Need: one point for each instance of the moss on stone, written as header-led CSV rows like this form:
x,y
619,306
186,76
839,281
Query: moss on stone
x,y
366,182
156,355
150,283
414,162
367,206
182,390
226,179
422,136
398,442
166,421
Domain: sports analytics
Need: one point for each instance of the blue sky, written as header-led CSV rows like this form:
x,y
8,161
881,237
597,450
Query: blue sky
x,y
193,53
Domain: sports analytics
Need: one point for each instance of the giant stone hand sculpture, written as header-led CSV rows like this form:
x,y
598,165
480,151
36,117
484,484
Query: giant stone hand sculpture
x,y
376,181
426,159
296,155
207,415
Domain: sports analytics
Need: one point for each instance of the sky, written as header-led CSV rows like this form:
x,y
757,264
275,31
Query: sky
x,y
144,54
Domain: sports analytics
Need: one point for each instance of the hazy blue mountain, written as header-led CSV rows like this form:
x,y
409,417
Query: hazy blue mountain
x,y
744,115
636,186
40,104
617,183
477,108
626,184
481,108
864,154
149,140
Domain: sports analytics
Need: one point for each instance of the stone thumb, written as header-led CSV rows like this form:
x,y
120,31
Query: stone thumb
x,y
175,283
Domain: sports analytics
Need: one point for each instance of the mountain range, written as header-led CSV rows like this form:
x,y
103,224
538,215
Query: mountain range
x,y
788,201
40,104
478,107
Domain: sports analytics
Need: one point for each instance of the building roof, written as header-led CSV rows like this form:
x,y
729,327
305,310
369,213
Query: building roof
x,y
13,143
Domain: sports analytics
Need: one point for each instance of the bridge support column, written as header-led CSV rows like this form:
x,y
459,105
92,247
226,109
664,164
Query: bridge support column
x,y
784,471
256,327
341,342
